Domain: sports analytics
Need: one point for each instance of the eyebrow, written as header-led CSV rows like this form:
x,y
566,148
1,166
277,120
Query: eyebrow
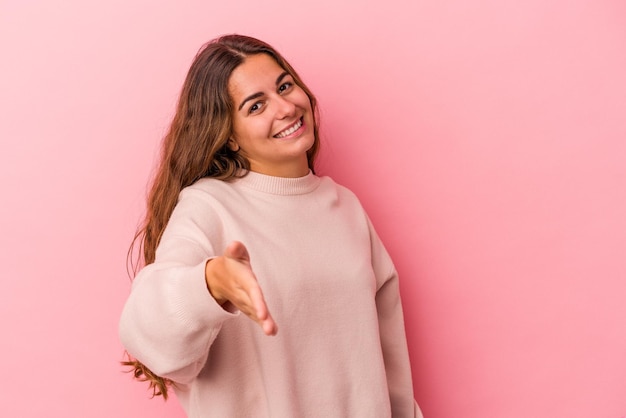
x,y
259,94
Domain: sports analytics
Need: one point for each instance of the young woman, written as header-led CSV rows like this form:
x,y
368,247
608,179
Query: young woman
x,y
266,291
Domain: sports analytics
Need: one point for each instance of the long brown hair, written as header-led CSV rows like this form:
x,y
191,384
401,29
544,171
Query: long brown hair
x,y
196,147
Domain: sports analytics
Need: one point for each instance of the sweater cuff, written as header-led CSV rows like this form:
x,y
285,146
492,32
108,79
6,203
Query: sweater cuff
x,y
198,302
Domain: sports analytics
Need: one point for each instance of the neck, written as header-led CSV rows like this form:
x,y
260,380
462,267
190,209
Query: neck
x,y
293,169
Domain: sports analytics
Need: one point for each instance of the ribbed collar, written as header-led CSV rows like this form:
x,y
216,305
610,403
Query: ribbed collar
x,y
280,185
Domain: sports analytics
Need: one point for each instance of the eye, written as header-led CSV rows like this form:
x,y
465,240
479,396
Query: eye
x,y
255,107
285,86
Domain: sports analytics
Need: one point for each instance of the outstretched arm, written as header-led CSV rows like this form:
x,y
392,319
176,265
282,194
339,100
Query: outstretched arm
x,y
171,317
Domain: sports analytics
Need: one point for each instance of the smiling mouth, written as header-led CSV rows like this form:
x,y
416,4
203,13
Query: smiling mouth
x,y
289,130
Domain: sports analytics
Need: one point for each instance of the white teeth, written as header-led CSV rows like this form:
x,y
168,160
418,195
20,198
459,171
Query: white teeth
x,y
290,130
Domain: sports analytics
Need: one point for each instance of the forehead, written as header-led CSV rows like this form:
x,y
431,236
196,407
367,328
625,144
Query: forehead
x,y
256,73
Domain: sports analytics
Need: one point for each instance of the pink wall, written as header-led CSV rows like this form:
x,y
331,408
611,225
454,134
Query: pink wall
x,y
487,139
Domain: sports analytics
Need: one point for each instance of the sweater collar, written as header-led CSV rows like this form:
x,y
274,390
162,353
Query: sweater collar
x,y
280,185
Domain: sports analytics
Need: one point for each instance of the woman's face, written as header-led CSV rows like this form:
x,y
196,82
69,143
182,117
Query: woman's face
x,y
272,120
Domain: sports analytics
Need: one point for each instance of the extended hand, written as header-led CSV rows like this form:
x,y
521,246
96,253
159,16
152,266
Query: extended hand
x,y
230,279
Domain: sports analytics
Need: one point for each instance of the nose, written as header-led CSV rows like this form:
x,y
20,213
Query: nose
x,y
284,107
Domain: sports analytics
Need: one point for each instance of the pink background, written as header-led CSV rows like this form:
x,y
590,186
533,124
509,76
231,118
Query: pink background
x,y
487,140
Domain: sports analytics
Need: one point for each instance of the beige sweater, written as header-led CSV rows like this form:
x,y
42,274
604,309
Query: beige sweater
x,y
329,283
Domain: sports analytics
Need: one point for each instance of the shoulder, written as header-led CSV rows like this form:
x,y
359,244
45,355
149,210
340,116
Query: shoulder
x,y
206,185
345,203
206,194
342,192
206,189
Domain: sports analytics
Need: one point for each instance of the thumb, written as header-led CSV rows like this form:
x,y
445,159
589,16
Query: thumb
x,y
238,251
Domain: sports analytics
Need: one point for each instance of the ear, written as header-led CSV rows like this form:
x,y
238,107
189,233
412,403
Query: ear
x,y
233,145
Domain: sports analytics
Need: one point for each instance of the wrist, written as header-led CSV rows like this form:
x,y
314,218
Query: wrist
x,y
210,279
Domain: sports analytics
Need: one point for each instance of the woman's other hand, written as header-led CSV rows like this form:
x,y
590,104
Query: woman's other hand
x,y
230,279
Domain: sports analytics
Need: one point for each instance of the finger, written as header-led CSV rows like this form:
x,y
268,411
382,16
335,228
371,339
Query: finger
x,y
248,298
263,316
269,326
238,251
257,300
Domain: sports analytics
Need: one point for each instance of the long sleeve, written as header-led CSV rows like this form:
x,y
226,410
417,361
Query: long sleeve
x,y
170,319
392,333
327,280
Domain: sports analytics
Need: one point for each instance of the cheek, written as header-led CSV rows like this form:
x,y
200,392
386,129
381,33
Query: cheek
x,y
250,129
305,102
240,126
